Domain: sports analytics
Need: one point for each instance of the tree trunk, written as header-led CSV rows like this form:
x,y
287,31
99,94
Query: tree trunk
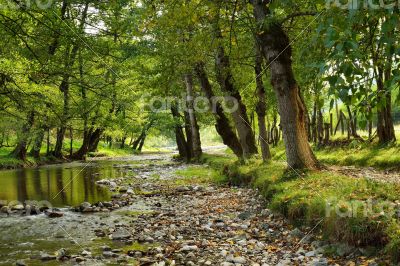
x,y
261,107
21,149
64,88
188,131
277,51
123,140
48,142
222,124
70,57
320,126
352,123
183,148
83,150
142,142
37,144
196,142
314,123
239,114
94,140
385,127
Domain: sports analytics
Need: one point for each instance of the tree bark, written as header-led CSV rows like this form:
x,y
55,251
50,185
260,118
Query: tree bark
x,y
21,149
261,107
70,57
183,148
94,140
196,142
277,51
239,114
222,124
385,127
37,144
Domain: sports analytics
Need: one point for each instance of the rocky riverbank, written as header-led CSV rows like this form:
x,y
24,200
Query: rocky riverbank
x,y
153,220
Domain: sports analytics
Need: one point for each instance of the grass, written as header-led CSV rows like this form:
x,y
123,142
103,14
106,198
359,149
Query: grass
x,y
198,175
356,211
355,154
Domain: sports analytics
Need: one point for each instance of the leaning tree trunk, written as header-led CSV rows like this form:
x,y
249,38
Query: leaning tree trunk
x,y
222,124
239,113
261,107
83,150
277,51
196,142
21,149
94,140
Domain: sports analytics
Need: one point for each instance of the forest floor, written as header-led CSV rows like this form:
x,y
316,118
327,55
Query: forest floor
x,y
168,213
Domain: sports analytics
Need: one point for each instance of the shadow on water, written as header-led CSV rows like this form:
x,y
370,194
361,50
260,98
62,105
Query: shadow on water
x,y
62,185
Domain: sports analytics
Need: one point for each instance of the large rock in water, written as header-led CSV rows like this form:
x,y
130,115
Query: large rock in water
x,y
85,205
55,214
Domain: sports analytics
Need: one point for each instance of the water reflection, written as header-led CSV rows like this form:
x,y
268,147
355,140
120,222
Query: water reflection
x,y
76,181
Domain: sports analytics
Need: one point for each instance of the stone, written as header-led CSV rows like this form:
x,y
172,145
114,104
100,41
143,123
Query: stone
x,y
239,260
5,209
107,204
123,190
296,233
343,249
120,235
47,257
106,248
244,215
54,214
285,262
189,248
109,254
88,209
310,254
86,253
80,259
85,205
61,253
182,189
20,263
320,262
18,207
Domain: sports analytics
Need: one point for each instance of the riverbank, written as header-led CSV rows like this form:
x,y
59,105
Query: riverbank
x,y
175,214
356,211
9,162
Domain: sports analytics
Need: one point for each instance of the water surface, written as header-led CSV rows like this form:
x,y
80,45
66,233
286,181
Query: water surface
x,y
62,184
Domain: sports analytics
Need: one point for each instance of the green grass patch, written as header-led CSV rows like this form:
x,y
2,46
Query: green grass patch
x,y
362,154
356,211
198,175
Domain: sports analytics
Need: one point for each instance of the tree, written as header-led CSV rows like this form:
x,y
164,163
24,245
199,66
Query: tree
x,y
276,49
